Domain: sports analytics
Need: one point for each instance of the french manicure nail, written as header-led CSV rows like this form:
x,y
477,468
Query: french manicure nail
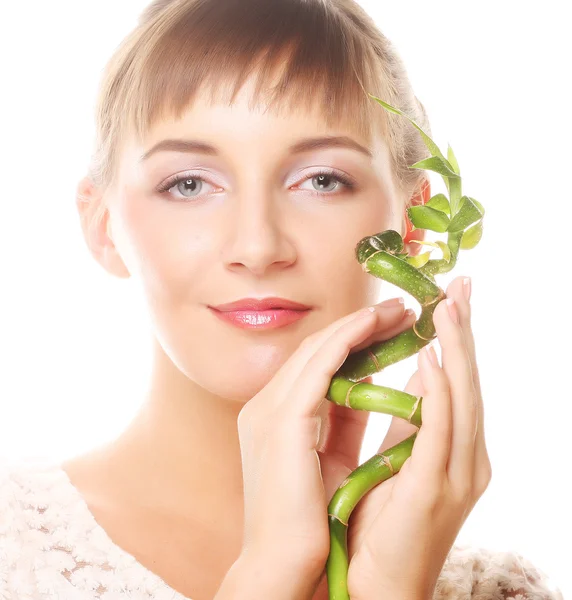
x,y
393,302
431,355
467,288
452,309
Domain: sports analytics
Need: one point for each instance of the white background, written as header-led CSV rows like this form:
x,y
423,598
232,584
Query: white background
x,y
495,79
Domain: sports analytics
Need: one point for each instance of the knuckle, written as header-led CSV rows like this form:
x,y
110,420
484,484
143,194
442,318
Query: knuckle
x,y
432,488
442,381
243,422
318,556
435,498
249,419
301,554
463,493
312,549
484,479
309,341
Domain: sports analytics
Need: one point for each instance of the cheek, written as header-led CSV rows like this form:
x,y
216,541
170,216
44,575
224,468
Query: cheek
x,y
337,276
165,246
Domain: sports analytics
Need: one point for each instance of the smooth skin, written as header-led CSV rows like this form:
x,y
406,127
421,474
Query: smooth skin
x,y
170,489
403,531
286,491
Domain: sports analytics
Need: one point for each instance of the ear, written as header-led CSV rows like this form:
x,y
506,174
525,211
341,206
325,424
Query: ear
x,y
420,198
95,224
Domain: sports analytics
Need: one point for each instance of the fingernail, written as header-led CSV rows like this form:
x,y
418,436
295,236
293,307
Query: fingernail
x,y
467,288
431,355
452,309
393,302
408,313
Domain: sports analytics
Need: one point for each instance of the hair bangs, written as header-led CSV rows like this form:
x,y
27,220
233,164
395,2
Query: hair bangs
x,y
298,51
324,56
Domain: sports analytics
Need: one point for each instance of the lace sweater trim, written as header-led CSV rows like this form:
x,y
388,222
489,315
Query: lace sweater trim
x,y
51,546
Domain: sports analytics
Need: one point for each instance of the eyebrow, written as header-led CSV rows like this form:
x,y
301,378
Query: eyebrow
x,y
305,145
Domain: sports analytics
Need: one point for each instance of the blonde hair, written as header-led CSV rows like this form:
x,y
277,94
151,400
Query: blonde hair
x,y
335,54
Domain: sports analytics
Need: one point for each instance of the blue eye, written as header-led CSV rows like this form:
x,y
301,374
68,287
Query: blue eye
x,y
187,184
326,177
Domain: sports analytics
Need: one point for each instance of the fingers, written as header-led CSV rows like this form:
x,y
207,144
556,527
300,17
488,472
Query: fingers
x,y
432,446
482,468
386,314
347,432
463,395
390,323
311,386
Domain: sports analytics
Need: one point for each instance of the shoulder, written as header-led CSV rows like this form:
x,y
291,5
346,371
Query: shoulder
x,y
27,491
34,504
28,488
476,572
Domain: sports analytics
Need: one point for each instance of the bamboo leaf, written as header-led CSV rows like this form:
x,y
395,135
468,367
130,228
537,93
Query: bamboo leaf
x,y
419,260
479,205
453,160
437,164
438,244
468,214
440,202
446,251
472,236
425,217
425,243
431,145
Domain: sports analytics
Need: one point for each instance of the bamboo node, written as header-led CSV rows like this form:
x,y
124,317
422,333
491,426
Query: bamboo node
x,y
421,337
387,463
337,518
347,402
434,299
414,408
364,264
374,360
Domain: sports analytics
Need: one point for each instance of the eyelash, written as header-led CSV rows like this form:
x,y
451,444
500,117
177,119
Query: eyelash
x,y
337,175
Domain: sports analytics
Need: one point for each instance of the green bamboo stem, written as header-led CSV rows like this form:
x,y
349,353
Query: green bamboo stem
x,y
382,256
346,390
356,485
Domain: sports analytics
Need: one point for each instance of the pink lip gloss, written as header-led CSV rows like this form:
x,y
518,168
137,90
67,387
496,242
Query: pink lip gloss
x,y
260,319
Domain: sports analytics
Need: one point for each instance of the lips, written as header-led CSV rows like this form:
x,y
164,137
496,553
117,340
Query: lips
x,y
254,304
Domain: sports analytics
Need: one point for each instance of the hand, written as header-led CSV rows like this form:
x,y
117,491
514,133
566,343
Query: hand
x,y
285,495
400,534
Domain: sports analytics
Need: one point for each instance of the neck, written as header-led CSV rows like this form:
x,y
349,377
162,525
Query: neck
x,y
181,453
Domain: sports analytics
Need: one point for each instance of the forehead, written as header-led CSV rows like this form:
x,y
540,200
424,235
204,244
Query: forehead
x,y
247,121
247,129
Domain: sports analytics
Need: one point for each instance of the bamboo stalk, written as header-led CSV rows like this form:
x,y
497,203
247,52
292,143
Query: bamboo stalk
x,y
382,255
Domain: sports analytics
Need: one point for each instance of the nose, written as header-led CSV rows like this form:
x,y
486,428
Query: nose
x,y
258,237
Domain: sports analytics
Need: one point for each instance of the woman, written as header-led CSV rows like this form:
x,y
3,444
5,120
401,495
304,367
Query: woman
x,y
207,188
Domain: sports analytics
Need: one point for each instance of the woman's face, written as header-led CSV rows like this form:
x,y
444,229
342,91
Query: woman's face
x,y
250,218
